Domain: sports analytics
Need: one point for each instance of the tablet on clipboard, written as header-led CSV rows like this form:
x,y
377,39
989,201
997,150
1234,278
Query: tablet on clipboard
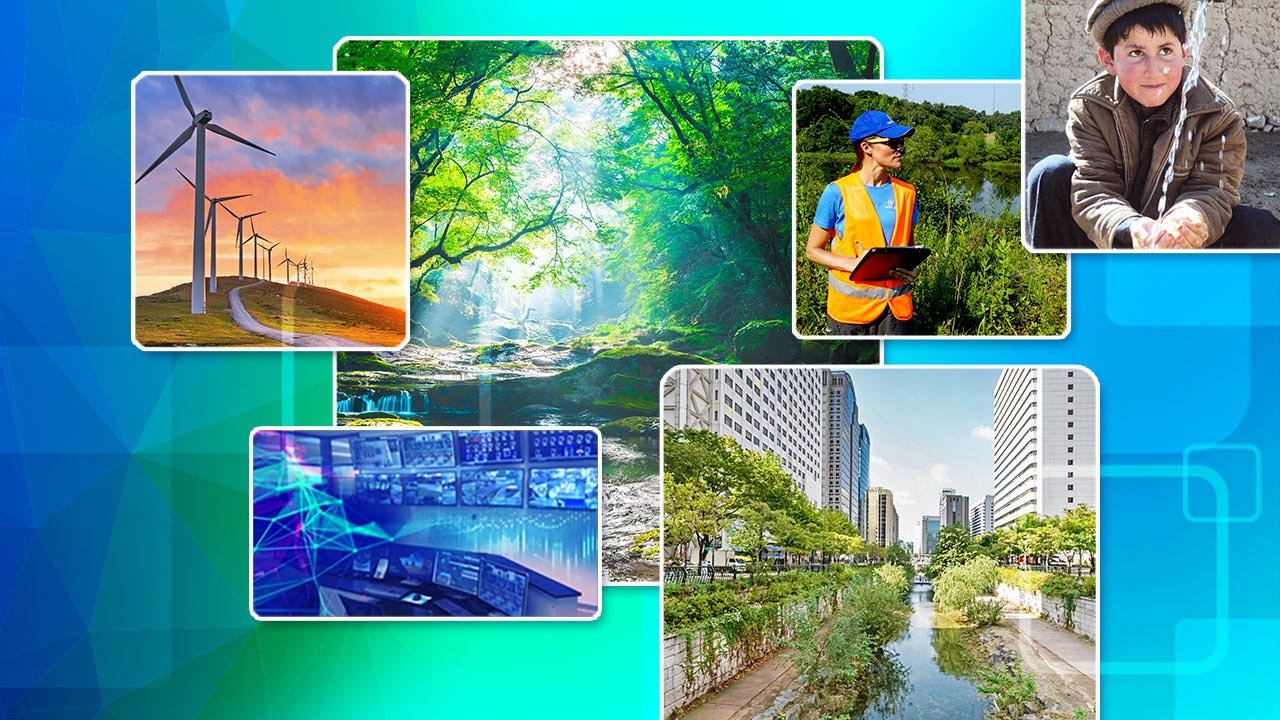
x,y
876,263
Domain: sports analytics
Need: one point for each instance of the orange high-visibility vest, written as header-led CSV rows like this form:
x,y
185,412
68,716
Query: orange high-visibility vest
x,y
861,303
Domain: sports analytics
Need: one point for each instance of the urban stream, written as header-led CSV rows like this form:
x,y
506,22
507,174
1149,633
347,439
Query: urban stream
x,y
925,675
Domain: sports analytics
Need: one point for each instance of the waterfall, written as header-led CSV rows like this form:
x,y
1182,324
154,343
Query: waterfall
x,y
354,405
397,403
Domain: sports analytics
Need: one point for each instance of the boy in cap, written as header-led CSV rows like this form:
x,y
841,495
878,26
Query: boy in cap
x,y
1121,125
864,209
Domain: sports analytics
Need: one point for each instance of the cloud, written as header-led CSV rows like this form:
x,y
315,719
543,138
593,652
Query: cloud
x,y
879,462
939,474
982,432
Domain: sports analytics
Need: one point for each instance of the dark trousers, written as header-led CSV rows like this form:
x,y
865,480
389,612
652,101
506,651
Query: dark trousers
x,y
1050,224
886,324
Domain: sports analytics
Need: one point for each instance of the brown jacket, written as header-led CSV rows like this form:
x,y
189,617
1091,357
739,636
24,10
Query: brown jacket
x,y
1104,130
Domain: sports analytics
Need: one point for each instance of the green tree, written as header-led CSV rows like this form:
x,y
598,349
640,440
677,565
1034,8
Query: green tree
x,y
954,548
1079,528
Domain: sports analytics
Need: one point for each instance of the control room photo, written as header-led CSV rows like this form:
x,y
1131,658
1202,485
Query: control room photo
x,y
439,523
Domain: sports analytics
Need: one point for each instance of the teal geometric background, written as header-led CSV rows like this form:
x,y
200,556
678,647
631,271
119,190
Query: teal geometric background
x,y
123,490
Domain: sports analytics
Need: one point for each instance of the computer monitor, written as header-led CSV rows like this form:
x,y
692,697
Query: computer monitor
x,y
423,450
503,588
492,488
562,444
487,447
415,562
568,488
375,453
457,570
408,489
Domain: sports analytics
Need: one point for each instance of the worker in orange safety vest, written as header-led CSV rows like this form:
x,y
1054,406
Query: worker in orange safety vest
x,y
862,210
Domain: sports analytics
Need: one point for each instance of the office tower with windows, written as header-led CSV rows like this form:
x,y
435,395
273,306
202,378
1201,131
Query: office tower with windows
x,y
1045,454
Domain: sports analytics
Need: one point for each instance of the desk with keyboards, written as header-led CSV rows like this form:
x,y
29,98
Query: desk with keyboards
x,y
398,580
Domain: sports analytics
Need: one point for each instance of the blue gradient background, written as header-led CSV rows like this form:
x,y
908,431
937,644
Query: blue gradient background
x,y
123,506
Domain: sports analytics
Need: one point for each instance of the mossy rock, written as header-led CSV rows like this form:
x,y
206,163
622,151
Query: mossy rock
x,y
377,415
634,426
419,334
392,421
497,353
815,352
348,361
766,341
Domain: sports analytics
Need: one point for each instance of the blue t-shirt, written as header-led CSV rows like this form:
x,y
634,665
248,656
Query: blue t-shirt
x,y
830,212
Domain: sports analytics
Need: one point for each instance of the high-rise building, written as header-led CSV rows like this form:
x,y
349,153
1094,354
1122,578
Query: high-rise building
x,y
804,416
929,526
881,517
1045,455
982,517
953,509
839,467
864,476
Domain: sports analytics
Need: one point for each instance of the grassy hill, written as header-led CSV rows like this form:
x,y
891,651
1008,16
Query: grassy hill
x,y
165,320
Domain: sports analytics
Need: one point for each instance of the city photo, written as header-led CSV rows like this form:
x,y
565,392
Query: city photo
x,y
877,543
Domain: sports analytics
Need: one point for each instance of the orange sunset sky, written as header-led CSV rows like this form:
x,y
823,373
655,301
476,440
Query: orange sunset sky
x,y
334,192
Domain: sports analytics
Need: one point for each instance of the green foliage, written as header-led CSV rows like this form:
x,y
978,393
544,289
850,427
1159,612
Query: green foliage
x,y
980,613
823,118
1012,690
693,605
954,547
1026,580
845,664
895,578
1069,586
958,586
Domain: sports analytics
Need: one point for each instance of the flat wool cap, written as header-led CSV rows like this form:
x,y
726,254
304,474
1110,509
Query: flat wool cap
x,y
1105,12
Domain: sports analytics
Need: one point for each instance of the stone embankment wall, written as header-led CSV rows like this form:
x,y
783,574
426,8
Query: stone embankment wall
x,y
1060,57
686,673
1085,617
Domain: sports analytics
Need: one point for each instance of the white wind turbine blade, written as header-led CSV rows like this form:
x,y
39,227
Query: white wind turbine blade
x,y
228,134
182,138
185,100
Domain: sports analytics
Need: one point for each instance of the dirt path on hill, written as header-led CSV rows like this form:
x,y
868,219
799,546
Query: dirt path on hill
x,y
245,321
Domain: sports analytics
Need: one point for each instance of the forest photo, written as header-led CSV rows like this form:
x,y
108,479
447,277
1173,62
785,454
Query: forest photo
x,y
964,159
586,215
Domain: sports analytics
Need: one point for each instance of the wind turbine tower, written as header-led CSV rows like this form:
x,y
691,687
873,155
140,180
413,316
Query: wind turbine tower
x,y
240,241
200,122
211,229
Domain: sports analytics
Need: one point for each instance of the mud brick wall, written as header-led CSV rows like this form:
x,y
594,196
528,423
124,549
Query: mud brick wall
x,y
1059,57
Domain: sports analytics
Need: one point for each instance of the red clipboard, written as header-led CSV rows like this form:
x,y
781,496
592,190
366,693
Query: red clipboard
x,y
876,263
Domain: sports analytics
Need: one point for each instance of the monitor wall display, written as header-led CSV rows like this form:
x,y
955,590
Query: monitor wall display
x,y
457,570
375,453
570,488
421,450
488,447
504,589
408,489
492,488
562,444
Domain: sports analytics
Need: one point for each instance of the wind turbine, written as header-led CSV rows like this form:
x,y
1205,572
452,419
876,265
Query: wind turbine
x,y
287,265
269,248
211,228
240,241
302,270
199,123
254,239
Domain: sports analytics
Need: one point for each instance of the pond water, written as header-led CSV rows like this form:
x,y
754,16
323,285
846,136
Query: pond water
x,y
925,675
990,192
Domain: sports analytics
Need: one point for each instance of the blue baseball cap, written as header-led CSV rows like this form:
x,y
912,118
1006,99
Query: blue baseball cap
x,y
874,123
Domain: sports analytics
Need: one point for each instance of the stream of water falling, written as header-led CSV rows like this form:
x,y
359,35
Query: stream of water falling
x,y
1195,49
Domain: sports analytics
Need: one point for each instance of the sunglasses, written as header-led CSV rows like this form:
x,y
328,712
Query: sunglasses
x,y
894,144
